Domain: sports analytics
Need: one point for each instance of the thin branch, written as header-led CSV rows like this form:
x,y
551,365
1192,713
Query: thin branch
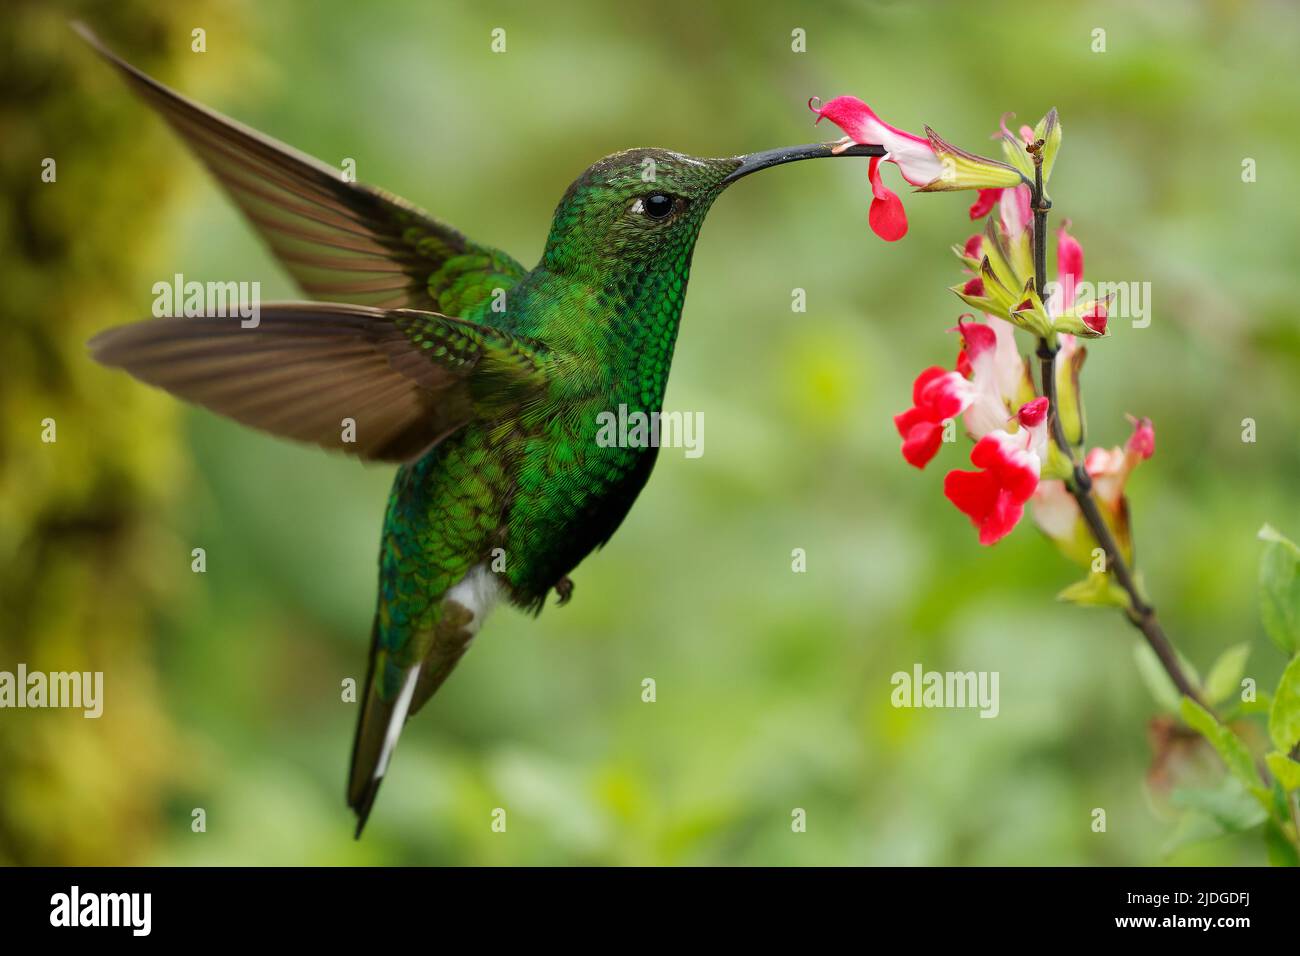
x,y
1140,612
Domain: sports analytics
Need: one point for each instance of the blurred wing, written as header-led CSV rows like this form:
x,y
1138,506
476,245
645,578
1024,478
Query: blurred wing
x,y
341,241
405,379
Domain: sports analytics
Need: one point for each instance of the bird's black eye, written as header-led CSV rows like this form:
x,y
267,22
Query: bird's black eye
x,y
657,206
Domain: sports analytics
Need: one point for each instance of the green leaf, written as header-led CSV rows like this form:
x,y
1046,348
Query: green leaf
x,y
1262,704
1279,589
1229,747
1229,805
1157,681
1224,679
1281,851
1284,716
1192,827
1281,809
1284,770
1153,675
1096,590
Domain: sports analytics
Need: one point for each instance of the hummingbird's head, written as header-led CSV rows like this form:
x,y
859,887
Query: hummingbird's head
x,y
633,208
635,215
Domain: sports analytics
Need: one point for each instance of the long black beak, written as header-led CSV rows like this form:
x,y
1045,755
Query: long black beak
x,y
753,162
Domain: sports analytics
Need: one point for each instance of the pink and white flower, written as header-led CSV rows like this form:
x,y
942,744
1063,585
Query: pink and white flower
x,y
913,155
1015,207
938,396
1110,467
988,198
1069,265
1057,513
1004,258
927,162
1010,462
989,379
1069,278
997,373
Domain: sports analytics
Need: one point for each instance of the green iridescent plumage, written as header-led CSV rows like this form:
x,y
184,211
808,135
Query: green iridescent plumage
x,y
484,380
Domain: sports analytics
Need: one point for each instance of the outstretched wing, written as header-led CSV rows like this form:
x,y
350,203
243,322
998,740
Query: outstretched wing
x,y
341,241
405,379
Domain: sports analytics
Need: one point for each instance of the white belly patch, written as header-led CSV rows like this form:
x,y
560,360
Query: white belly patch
x,y
477,592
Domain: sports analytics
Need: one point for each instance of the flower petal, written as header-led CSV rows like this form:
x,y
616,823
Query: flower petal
x,y
973,492
921,443
912,154
980,340
964,368
1005,515
887,217
983,204
937,396
1069,263
1016,211
1032,414
1142,442
991,509
1015,467
994,498
1055,510
946,396
923,381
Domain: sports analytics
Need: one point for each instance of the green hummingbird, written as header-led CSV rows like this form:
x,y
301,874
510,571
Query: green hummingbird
x,y
481,379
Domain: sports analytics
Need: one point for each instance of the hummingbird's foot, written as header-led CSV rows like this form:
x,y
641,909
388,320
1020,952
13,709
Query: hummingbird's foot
x,y
564,588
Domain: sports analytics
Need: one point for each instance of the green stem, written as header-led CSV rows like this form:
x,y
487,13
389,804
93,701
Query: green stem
x,y
1140,612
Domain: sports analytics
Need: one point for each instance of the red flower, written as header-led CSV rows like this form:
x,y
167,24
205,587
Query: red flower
x,y
927,162
887,217
994,498
984,203
938,395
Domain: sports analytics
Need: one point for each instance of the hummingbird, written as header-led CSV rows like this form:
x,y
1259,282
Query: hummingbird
x,y
482,380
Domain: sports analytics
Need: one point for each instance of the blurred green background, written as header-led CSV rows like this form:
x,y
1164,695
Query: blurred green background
x,y
223,689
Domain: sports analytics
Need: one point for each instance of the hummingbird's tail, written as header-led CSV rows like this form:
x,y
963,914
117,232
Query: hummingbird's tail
x,y
393,694
378,728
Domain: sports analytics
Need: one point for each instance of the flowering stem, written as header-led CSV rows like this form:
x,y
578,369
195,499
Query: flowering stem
x,y
1140,612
